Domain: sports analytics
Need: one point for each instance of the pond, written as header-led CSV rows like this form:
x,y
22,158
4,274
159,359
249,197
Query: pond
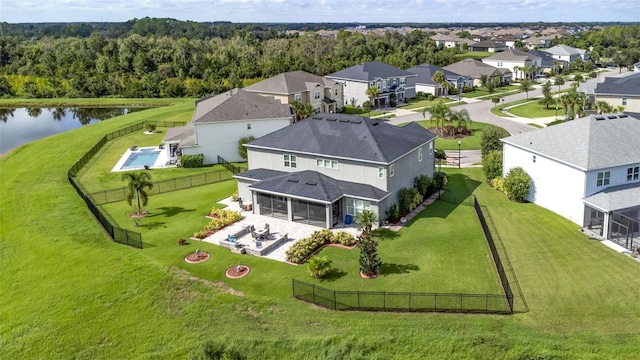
x,y
22,125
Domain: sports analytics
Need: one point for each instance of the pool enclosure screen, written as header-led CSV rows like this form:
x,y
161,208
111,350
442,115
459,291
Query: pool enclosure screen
x,y
309,212
272,205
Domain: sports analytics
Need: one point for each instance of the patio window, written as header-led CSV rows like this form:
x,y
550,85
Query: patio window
x,y
355,206
316,95
633,173
381,173
290,160
248,126
603,178
392,170
336,93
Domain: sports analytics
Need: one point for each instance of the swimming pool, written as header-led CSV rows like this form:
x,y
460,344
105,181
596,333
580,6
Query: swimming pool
x,y
140,158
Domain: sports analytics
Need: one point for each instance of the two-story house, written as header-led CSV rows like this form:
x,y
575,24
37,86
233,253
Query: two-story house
x,y
488,45
623,90
517,61
476,69
323,94
567,53
388,79
220,121
319,170
587,170
425,83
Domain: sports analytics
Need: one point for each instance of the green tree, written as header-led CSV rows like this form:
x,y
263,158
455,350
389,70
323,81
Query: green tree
x,y
461,119
517,184
492,164
370,262
491,139
525,85
373,92
319,266
367,107
366,219
441,156
547,96
441,79
603,107
484,81
301,111
138,182
559,80
5,87
242,150
439,112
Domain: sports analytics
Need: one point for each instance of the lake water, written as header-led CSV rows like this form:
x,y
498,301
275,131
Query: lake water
x,y
23,125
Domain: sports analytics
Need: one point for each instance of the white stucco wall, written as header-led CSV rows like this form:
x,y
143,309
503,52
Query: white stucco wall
x,y
355,90
633,102
618,176
221,138
427,89
555,186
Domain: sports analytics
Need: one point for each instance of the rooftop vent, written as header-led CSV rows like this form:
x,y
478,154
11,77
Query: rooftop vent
x,y
331,119
622,116
600,118
375,123
344,120
356,121
612,117
317,118
293,180
311,183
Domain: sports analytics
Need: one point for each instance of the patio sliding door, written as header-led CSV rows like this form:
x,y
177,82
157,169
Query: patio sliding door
x,y
273,205
309,213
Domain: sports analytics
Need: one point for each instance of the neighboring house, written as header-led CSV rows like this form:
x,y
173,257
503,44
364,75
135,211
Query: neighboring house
x,y
388,79
515,58
321,169
475,69
220,121
620,90
537,42
323,94
450,41
547,62
567,53
488,45
425,83
635,67
587,170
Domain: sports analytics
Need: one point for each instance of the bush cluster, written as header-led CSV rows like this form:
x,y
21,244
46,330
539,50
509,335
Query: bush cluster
x,y
223,218
299,251
517,184
491,140
409,199
492,164
192,161
393,214
498,184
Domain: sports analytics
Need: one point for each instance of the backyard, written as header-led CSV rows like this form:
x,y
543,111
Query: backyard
x,y
80,295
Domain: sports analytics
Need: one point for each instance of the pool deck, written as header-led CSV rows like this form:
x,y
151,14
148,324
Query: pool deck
x,y
160,163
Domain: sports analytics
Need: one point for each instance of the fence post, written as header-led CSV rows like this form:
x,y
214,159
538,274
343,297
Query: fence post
x,y
486,303
384,299
335,302
461,302
313,290
358,300
409,301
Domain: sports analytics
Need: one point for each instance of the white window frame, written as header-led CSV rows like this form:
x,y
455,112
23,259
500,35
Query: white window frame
x,y
419,154
297,97
355,206
326,163
603,178
381,172
633,173
624,101
336,92
316,95
392,170
248,126
290,161
431,148
403,81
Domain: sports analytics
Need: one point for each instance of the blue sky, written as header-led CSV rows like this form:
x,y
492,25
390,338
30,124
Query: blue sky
x,y
15,11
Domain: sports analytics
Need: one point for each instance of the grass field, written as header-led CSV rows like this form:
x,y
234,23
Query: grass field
x,y
67,291
497,110
511,89
473,55
534,110
466,143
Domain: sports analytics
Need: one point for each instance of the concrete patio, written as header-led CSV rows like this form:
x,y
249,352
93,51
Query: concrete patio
x,y
277,227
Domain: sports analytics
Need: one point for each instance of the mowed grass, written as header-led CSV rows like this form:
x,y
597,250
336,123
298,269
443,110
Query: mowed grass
x,y
534,110
470,142
69,292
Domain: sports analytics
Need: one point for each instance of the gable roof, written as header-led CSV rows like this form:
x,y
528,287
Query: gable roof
x,y
290,83
185,134
590,143
309,184
627,85
562,49
369,71
425,73
238,104
512,55
488,44
616,197
547,59
473,68
348,137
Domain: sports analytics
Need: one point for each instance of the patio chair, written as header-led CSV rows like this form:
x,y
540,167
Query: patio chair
x,y
134,148
161,146
231,238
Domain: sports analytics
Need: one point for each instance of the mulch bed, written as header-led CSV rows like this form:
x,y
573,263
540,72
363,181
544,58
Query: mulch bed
x,y
195,259
233,272
364,276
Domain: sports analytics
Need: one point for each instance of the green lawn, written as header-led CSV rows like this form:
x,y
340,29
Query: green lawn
x,y
534,110
473,55
497,110
466,143
69,292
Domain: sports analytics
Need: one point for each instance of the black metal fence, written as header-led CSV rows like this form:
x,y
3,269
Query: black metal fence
x,y
163,186
119,235
400,301
494,254
229,166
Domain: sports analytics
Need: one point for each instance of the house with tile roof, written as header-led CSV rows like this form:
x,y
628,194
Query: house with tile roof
x,y
620,91
587,170
323,94
515,60
476,68
220,121
319,170
425,83
391,81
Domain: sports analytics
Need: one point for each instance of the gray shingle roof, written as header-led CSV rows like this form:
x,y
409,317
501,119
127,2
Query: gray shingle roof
x,y
628,85
473,68
513,55
562,49
311,184
185,134
488,44
425,73
547,59
616,197
586,143
238,104
347,136
369,71
290,83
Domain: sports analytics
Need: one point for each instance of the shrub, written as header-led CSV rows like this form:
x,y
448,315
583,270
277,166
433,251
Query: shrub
x,y
370,263
192,161
491,140
223,218
453,91
498,184
242,150
393,214
423,184
468,89
305,247
343,238
151,127
235,196
517,184
492,164
440,179
409,199
319,266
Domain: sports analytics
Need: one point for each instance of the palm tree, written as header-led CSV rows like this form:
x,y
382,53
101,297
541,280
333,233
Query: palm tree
x,y
439,112
461,118
301,111
319,266
373,93
603,107
559,80
618,109
525,85
583,103
365,219
484,81
441,79
138,181
547,97
516,69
